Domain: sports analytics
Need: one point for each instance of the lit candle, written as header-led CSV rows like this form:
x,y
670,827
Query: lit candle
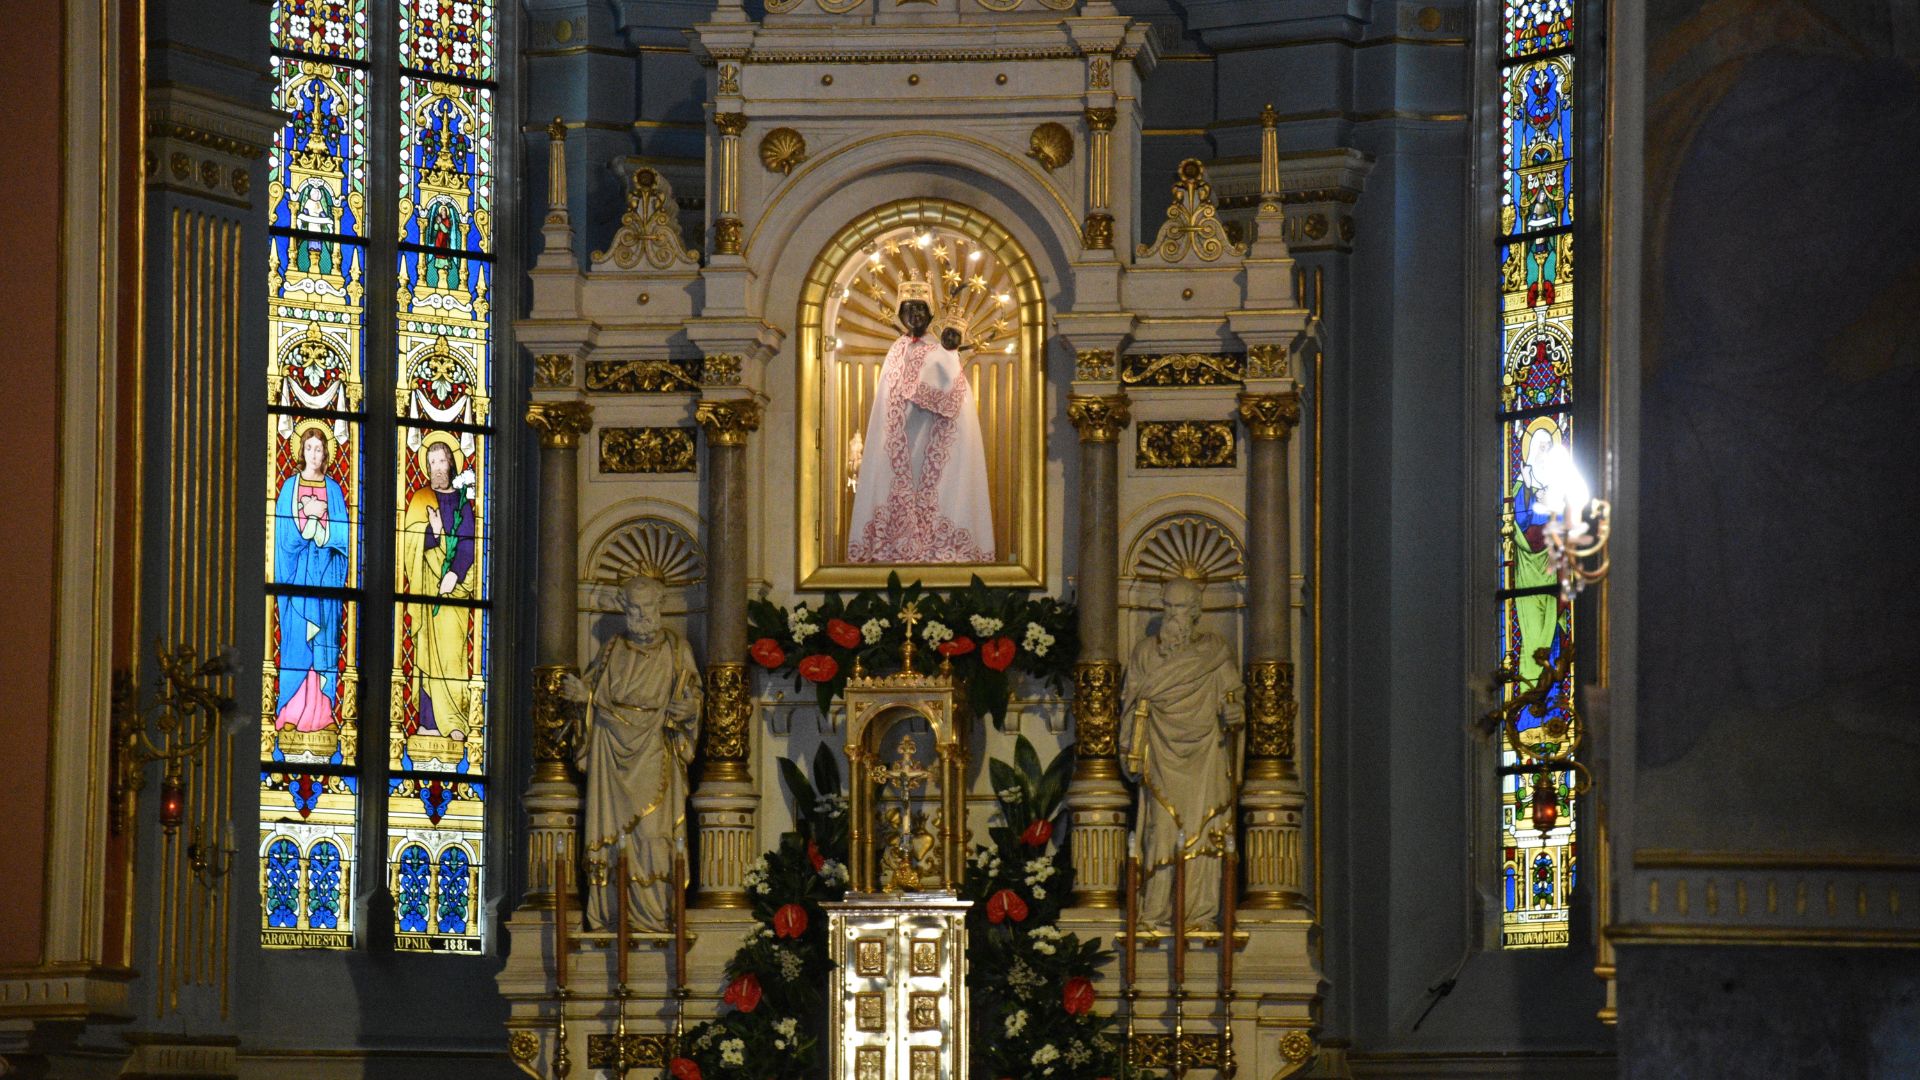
x,y
559,924
680,909
1132,929
1229,874
1179,911
620,936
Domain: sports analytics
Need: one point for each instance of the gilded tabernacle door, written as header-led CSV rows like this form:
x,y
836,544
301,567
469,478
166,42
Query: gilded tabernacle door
x,y
922,454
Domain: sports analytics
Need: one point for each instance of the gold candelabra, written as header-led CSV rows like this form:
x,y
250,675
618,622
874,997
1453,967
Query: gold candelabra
x,y
175,727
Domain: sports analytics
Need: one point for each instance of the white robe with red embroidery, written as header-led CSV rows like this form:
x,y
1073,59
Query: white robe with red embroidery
x,y
922,493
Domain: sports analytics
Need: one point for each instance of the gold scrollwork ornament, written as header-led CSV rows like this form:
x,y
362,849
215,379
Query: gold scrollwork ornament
x,y
1186,444
1193,224
728,713
1266,361
1093,365
552,370
1096,708
646,450
554,717
1271,709
523,1046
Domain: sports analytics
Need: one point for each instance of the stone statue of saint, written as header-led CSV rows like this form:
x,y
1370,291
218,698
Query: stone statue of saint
x,y
1180,725
922,491
639,728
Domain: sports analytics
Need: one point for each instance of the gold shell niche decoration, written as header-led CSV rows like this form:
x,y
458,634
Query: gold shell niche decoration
x,y
781,149
1051,145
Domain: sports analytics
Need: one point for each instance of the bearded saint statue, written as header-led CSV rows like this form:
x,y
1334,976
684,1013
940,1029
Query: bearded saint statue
x,y
642,697
922,490
1180,724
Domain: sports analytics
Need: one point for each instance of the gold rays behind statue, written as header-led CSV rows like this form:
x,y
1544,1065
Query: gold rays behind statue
x,y
974,291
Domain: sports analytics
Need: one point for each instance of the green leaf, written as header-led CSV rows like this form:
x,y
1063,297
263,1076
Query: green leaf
x,y
823,694
1028,760
1053,784
826,770
1005,776
797,785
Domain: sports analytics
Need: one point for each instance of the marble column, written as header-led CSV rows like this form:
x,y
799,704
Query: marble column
x,y
1272,801
725,804
1097,797
553,798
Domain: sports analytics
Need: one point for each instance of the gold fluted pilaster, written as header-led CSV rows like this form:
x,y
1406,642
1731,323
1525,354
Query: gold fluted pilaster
x,y
1096,233
560,423
1099,418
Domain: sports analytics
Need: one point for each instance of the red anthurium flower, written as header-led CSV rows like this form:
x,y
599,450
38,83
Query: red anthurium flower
x,y
1004,905
844,634
1078,996
683,1069
819,668
1038,833
743,993
959,645
998,653
813,856
790,921
768,653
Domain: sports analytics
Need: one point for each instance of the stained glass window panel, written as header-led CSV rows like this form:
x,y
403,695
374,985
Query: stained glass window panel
x,y
336,29
446,175
439,703
310,681
448,37
1537,26
317,170
445,357
436,837
1536,140
443,530
306,859
313,501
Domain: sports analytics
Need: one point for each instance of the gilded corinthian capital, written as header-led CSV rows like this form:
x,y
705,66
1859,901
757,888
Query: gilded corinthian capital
x,y
729,709
1098,418
728,421
560,423
1270,416
1096,708
1271,710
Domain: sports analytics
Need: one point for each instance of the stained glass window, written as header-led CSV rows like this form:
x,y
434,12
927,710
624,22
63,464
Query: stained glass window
x,y
1535,248
326,571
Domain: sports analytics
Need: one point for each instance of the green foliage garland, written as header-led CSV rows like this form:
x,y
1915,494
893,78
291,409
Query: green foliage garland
x,y
983,633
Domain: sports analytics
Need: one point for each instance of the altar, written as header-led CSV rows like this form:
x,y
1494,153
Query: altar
x,y
968,499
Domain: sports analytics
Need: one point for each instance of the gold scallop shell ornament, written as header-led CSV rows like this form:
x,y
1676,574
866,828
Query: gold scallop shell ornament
x,y
1051,145
781,149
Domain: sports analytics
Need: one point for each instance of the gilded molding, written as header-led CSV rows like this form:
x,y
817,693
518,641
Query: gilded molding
x,y
726,236
729,708
1098,418
1270,416
730,124
722,369
560,423
1096,233
1101,118
1267,361
1193,228
638,1051
551,370
646,450
1096,708
1271,710
1185,444
642,376
1093,365
729,79
1100,73
1198,1050
1183,369
554,720
781,149
728,422
1050,144
650,228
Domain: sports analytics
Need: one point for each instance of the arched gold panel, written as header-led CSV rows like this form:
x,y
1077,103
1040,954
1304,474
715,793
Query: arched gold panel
x,y
846,325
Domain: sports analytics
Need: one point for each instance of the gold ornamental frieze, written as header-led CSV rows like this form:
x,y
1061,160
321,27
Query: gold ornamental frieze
x,y
552,370
1183,369
649,1051
646,450
643,376
1198,1050
1271,710
728,712
1096,708
1267,361
1093,365
1186,444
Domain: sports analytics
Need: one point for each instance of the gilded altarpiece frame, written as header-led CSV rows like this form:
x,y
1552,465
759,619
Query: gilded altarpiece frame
x,y
1012,403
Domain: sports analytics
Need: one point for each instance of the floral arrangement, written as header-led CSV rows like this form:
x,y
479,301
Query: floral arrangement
x,y
777,979
982,634
1032,984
